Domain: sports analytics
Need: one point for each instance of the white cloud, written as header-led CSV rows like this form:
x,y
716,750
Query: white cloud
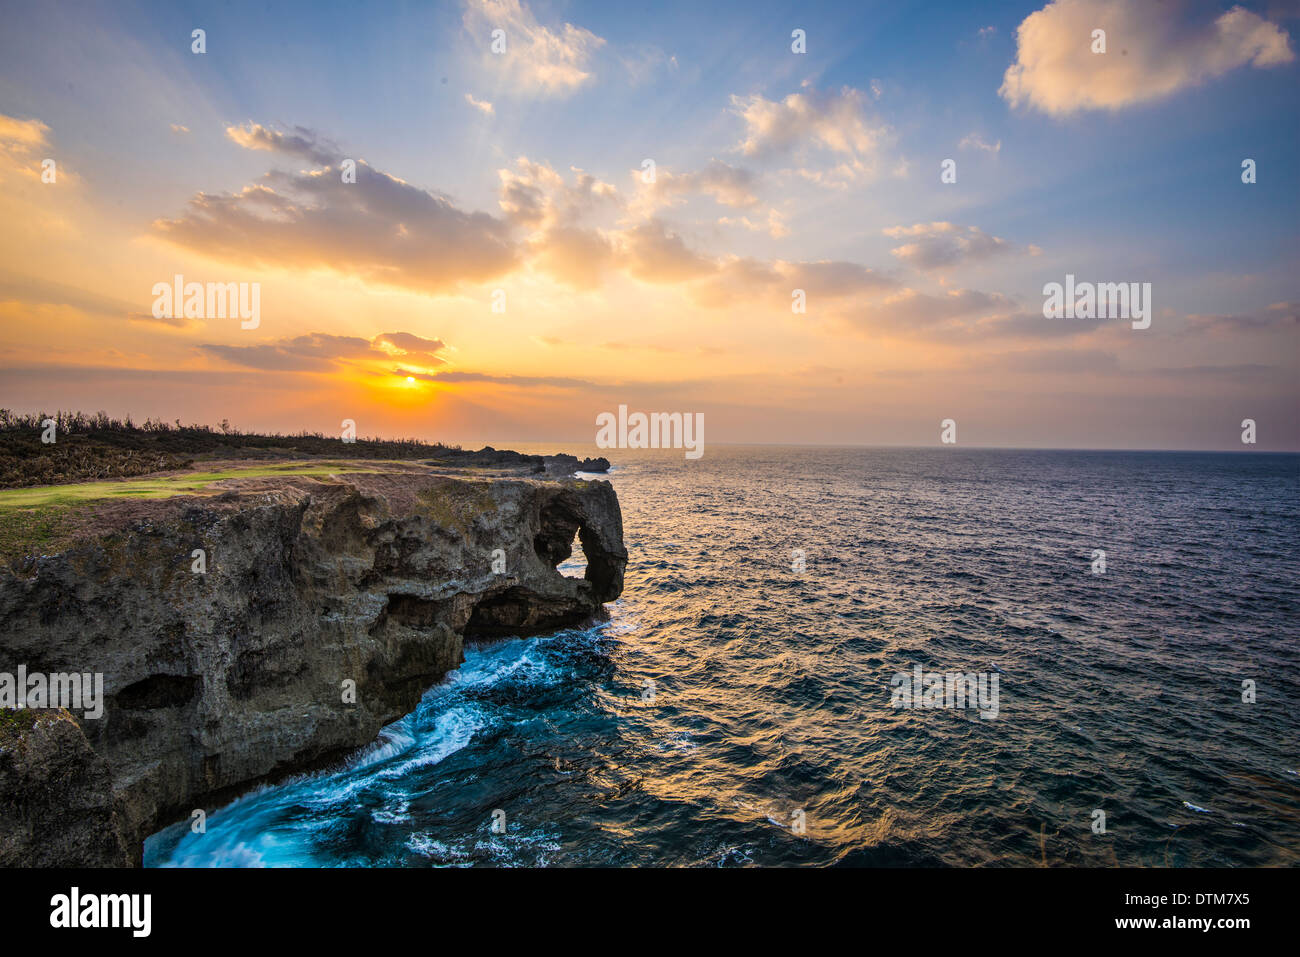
x,y
538,61
774,225
931,245
910,311
482,105
728,185
835,123
302,142
738,280
1152,51
976,142
534,195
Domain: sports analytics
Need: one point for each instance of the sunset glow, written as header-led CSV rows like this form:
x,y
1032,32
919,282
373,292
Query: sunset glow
x,y
503,267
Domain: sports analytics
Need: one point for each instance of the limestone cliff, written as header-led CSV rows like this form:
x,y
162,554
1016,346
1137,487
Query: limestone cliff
x,y
216,680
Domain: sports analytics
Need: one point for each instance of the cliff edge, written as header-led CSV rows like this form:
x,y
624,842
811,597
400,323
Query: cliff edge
x,y
266,626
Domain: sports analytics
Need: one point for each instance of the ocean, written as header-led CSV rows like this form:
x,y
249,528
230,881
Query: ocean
x,y
737,708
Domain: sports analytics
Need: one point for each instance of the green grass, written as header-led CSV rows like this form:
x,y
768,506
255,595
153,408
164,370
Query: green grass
x,y
30,531
40,519
47,496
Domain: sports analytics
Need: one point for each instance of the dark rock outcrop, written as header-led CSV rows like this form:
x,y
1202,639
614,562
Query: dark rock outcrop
x,y
217,681
560,465
57,805
488,457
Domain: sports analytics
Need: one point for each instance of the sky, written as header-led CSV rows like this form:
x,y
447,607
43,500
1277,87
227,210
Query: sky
x,y
628,204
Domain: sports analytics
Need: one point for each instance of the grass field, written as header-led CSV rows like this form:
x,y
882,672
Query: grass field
x,y
40,518
43,496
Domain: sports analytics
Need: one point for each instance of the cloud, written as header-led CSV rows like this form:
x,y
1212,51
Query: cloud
x,y
319,351
1152,51
910,311
576,257
833,278
744,279
835,142
175,322
313,351
835,124
410,347
481,105
20,141
535,195
727,184
1245,372
537,199
1279,315
562,244
537,61
976,142
521,381
21,136
933,245
652,253
31,290
302,142
379,228
178,128
833,121
409,342
774,226
739,280
1054,361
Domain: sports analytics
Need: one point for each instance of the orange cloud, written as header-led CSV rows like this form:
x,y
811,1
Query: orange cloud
x,y
21,136
320,351
379,228
653,253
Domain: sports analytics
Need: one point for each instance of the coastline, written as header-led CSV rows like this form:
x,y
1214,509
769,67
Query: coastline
x,y
329,603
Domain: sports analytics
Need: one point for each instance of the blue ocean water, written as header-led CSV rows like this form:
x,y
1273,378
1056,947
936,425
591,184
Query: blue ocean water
x,y
770,739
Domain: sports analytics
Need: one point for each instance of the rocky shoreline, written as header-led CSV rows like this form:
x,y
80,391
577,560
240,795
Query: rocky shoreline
x,y
326,607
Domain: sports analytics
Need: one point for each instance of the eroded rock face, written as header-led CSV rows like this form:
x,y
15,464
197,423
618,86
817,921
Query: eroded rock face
x,y
217,681
57,804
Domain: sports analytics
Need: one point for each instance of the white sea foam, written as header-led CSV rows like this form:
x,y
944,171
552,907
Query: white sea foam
x,y
452,732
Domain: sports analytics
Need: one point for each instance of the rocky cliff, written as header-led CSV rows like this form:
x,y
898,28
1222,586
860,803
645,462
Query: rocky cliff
x,y
321,610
